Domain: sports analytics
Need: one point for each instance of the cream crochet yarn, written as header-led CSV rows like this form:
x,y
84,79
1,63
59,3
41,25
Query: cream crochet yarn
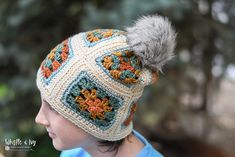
x,y
94,78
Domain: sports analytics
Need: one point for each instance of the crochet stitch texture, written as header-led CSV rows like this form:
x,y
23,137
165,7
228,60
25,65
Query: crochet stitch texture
x,y
96,83
95,78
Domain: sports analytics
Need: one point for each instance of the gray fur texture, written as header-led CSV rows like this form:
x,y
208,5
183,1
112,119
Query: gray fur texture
x,y
153,40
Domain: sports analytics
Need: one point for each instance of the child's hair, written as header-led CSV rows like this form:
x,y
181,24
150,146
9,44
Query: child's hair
x,y
95,78
113,146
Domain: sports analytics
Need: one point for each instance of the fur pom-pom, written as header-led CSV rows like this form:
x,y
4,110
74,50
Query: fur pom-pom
x,y
153,39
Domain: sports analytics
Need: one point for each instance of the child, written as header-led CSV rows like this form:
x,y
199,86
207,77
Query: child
x,y
90,84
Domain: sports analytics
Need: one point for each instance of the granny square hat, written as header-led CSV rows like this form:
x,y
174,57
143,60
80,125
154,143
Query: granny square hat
x,y
95,78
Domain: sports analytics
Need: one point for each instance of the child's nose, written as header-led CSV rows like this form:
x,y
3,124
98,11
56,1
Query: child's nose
x,y
41,118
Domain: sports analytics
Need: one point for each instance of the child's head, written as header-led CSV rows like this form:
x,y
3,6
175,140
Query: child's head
x,y
90,82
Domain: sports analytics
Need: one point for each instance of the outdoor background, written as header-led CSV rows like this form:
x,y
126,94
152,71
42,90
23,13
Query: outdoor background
x,y
190,112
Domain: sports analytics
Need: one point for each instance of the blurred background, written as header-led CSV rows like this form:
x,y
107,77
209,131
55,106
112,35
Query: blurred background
x,y
190,112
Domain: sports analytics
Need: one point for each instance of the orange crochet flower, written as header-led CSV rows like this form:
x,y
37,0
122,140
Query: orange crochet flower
x,y
65,49
64,56
122,66
47,72
94,39
115,73
130,80
137,72
126,66
80,100
89,37
86,93
119,54
51,55
107,34
107,62
93,94
82,104
93,102
95,106
55,65
107,59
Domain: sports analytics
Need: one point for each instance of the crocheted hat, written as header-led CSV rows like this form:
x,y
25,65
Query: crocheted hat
x,y
94,78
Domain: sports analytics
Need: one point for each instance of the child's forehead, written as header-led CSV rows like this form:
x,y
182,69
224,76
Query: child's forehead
x,y
43,98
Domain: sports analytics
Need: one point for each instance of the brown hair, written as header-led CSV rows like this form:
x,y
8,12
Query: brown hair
x,y
113,146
